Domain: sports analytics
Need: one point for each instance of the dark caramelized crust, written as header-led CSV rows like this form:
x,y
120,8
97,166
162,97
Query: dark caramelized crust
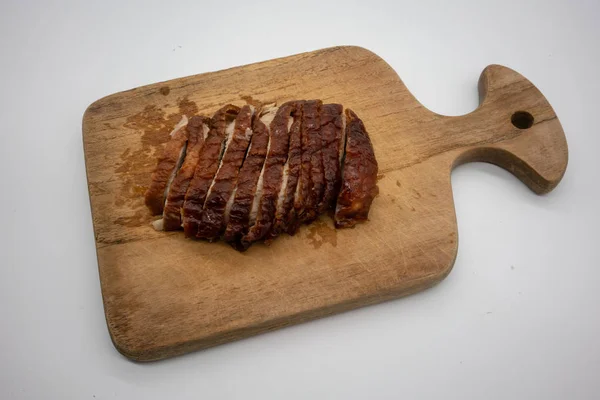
x,y
359,175
285,215
196,128
167,166
331,135
304,204
239,214
249,176
207,166
317,176
272,176
212,220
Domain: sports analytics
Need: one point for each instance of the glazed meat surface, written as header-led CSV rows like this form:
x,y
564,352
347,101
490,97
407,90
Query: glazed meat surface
x,y
309,146
212,220
197,130
272,175
166,168
248,182
210,156
252,173
332,137
359,175
285,213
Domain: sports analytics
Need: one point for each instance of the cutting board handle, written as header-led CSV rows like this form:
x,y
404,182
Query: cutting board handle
x,y
517,130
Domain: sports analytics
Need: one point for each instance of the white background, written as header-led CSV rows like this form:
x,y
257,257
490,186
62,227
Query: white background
x,y
518,317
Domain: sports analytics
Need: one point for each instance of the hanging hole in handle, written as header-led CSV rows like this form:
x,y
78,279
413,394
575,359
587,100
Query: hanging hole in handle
x,y
522,120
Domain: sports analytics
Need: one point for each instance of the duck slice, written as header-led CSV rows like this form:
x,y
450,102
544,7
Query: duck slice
x,y
197,131
309,174
359,175
285,215
242,212
209,159
272,176
333,147
166,168
213,218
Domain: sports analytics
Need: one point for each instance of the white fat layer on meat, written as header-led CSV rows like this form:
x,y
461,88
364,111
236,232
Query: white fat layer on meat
x,y
286,168
158,225
248,136
229,205
224,145
180,125
205,130
297,192
268,115
284,182
183,122
266,118
342,143
175,170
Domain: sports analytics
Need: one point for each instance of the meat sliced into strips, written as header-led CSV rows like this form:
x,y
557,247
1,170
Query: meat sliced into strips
x,y
317,176
304,198
288,213
250,175
331,135
248,185
284,214
359,175
212,221
209,159
265,121
197,131
272,176
167,167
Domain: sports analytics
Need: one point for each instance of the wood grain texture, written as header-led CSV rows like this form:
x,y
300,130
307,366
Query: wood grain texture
x,y
166,295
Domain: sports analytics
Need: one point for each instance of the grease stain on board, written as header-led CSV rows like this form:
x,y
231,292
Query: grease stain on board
x,y
258,103
321,232
134,172
249,100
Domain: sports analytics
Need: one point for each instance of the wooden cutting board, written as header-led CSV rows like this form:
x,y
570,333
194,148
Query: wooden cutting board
x,y
165,295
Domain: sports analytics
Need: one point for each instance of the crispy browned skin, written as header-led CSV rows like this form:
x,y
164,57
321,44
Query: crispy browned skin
x,y
303,197
248,176
285,216
317,176
272,176
253,184
206,168
331,135
212,220
359,175
179,187
167,163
